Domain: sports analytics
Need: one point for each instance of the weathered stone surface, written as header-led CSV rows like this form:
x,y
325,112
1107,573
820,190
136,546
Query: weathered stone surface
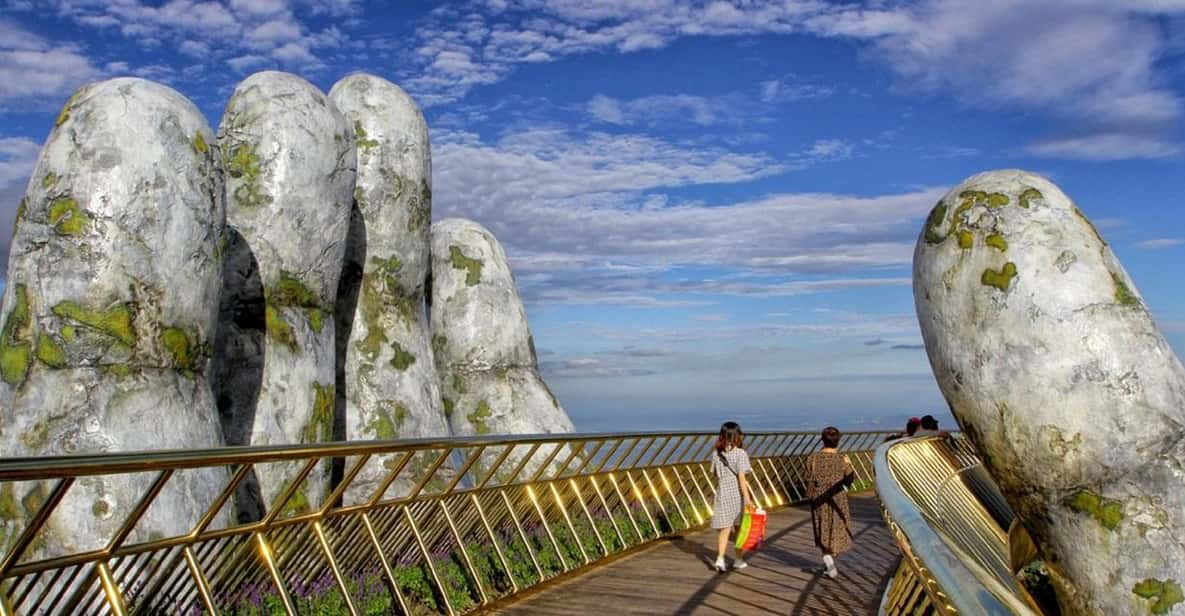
x,y
109,309
1053,366
390,385
483,347
289,159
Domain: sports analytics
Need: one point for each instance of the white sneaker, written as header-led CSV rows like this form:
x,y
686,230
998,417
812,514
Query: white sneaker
x,y
720,566
739,563
832,573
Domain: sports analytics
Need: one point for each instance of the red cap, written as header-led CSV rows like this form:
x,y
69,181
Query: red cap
x,y
913,420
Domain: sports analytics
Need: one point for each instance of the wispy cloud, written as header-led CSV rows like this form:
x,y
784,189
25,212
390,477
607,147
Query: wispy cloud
x,y
36,73
1167,242
1112,146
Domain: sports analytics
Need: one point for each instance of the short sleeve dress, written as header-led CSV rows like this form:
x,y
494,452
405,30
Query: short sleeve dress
x,y
830,516
729,503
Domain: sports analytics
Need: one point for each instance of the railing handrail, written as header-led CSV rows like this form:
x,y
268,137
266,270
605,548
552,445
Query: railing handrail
x,y
53,467
955,583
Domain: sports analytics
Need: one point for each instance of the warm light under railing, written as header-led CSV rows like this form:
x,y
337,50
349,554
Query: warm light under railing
x,y
456,525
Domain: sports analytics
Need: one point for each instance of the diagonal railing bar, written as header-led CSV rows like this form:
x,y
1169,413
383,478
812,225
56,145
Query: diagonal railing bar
x,y
453,525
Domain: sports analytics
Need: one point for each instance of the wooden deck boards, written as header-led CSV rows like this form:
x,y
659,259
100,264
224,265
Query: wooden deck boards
x,y
675,576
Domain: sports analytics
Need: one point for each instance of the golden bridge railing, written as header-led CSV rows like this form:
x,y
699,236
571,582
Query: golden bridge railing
x,y
952,525
455,525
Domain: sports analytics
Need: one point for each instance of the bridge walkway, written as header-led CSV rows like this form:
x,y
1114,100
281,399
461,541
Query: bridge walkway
x,y
675,576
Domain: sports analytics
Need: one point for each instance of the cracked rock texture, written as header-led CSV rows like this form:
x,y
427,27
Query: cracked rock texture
x,y
489,373
289,159
109,311
385,360
1053,366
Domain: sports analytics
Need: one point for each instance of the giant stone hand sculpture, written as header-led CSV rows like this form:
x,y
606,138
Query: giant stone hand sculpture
x,y
109,309
1054,367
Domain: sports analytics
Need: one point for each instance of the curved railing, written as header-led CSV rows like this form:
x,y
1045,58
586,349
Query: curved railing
x,y
953,527
454,525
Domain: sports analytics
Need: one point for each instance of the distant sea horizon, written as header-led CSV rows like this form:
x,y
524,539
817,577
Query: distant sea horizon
x,y
641,420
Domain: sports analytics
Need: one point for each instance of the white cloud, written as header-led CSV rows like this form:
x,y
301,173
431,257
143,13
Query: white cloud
x,y
1113,146
697,109
581,221
18,155
242,64
1167,242
295,53
36,72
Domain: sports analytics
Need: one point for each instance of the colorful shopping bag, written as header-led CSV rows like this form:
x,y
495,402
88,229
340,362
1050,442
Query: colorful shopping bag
x,y
752,531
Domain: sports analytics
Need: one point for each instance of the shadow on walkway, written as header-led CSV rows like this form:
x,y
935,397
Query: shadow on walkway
x,y
676,576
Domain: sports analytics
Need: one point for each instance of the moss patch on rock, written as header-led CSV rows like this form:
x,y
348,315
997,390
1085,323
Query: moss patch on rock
x,y
386,421
996,241
49,180
479,418
115,321
199,144
278,328
1000,279
36,437
1123,295
401,360
49,352
1162,594
320,426
182,349
66,217
472,267
16,347
933,221
965,239
20,215
361,139
1106,511
1026,197
242,163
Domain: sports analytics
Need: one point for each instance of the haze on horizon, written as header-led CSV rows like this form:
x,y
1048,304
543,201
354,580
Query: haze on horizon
x,y
710,207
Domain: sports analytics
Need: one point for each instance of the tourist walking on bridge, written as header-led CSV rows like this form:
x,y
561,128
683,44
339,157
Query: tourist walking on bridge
x,y
730,465
829,472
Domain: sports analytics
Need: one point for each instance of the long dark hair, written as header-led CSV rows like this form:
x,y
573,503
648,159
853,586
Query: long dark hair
x,y
730,435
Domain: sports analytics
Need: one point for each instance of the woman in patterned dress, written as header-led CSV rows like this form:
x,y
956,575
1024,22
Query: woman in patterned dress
x,y
730,465
829,472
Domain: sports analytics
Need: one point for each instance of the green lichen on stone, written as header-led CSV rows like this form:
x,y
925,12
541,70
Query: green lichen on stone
x,y
64,114
199,144
320,426
997,200
49,180
120,370
420,215
439,342
297,504
933,221
36,437
996,241
973,195
472,267
68,333
278,328
1026,197
33,501
49,352
1000,279
66,217
1163,594
965,239
1123,295
9,509
181,348
380,290
316,319
115,322
360,137
402,360
290,291
1106,511
16,348
100,508
458,384
479,417
387,420
449,406
20,215
242,163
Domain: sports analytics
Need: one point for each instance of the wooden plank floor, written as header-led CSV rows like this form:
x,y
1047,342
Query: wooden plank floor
x,y
675,576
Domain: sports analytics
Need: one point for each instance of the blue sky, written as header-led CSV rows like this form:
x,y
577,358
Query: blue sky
x,y
710,207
